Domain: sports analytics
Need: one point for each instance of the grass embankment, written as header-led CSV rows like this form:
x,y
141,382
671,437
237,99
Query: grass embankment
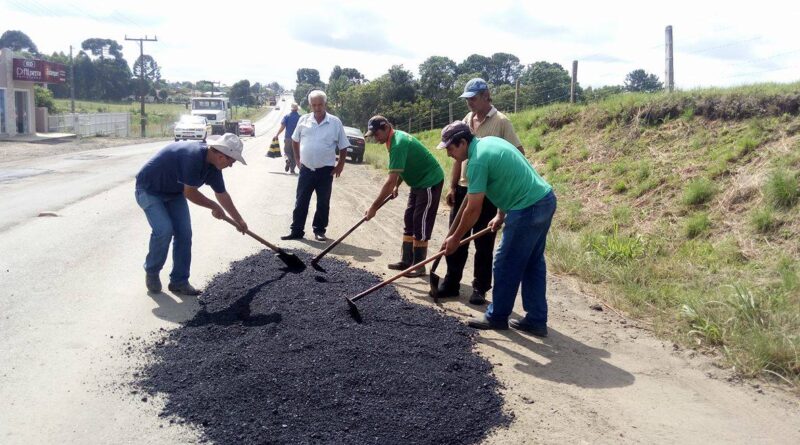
x,y
681,210
160,117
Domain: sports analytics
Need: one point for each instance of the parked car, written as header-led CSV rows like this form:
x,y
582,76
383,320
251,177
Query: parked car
x,y
192,127
246,127
357,144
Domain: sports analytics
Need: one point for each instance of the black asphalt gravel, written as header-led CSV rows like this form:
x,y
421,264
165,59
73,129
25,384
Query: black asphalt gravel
x,y
274,357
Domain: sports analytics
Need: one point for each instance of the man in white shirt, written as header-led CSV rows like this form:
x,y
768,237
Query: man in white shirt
x,y
314,141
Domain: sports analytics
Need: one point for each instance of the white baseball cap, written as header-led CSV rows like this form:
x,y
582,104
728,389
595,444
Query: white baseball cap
x,y
229,144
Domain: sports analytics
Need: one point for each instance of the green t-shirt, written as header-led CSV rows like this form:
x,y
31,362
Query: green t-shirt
x,y
499,170
413,161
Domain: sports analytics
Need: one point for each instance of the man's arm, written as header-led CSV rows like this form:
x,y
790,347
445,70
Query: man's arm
x,y
283,126
455,177
388,188
296,150
227,203
194,195
468,219
343,145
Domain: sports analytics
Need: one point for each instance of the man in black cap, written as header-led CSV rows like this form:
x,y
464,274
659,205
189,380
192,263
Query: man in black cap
x,y
412,163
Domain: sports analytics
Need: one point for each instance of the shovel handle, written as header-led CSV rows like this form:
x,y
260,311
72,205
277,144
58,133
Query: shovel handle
x,y
346,234
417,266
261,240
452,228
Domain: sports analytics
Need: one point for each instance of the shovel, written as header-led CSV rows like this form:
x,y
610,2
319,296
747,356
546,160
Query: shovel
x,y
351,302
291,260
434,279
316,259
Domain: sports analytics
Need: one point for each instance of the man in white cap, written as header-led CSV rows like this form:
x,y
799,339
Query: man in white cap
x,y
164,184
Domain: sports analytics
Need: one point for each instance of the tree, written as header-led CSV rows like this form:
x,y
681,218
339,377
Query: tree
x,y
478,64
240,93
402,87
544,83
639,80
505,69
598,94
309,76
340,80
101,47
18,41
276,87
145,66
437,74
351,75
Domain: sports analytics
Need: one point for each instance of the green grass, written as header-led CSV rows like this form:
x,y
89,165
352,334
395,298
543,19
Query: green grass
x,y
782,189
698,192
763,220
697,224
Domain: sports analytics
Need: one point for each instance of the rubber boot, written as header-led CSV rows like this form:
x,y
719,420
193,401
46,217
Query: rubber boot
x,y
408,255
420,253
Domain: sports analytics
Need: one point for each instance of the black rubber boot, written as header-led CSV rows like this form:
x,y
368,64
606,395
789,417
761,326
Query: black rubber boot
x,y
420,253
408,256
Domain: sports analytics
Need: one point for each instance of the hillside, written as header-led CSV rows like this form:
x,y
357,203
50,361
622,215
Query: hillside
x,y
682,211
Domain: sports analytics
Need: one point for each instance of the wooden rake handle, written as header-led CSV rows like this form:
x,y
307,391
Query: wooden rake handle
x,y
346,234
258,238
417,266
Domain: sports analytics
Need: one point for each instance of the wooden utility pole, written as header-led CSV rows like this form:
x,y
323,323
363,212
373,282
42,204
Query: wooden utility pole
x,y
142,85
431,118
516,95
71,82
450,112
574,81
409,124
669,75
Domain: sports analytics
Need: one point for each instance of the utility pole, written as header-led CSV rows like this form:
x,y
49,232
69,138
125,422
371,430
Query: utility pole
x,y
409,124
141,41
574,81
669,75
71,82
516,95
431,118
450,112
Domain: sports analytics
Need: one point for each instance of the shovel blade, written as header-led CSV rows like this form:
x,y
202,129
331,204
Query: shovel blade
x,y
434,282
353,309
292,261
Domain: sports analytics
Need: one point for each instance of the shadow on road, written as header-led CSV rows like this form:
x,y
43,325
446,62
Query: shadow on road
x,y
175,309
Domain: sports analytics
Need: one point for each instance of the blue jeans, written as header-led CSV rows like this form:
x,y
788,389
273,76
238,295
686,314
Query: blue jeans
x,y
520,260
168,216
321,182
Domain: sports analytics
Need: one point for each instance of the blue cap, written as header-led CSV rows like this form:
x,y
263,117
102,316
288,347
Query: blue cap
x,y
473,87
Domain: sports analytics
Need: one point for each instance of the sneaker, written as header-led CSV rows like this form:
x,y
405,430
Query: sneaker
x,y
483,322
292,172
320,237
292,235
184,289
153,282
538,330
477,298
286,167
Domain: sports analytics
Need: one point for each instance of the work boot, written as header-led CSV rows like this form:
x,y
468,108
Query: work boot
x,y
523,324
420,253
184,289
446,290
484,322
153,282
408,256
478,297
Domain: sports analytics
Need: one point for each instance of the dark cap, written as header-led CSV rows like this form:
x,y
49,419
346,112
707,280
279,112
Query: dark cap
x,y
452,131
376,122
473,87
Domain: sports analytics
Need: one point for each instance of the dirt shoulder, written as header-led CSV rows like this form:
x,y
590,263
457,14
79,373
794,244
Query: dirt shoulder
x,y
11,151
599,377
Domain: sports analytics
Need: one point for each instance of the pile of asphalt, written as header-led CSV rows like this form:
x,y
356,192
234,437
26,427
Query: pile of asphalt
x,y
274,357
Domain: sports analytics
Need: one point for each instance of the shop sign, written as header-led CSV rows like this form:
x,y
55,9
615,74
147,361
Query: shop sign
x,y
39,71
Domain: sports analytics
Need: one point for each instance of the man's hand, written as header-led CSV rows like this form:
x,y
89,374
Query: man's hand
x,y
242,226
370,213
497,222
275,138
450,198
450,245
217,211
337,170
395,192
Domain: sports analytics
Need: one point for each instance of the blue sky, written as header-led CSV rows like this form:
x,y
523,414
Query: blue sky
x,y
716,43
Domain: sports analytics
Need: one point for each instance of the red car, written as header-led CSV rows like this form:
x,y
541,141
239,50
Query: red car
x,y
247,128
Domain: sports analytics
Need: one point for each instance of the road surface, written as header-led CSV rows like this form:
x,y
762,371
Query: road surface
x,y
73,296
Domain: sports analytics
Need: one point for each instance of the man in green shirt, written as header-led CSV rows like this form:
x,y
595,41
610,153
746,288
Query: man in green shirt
x,y
412,163
526,203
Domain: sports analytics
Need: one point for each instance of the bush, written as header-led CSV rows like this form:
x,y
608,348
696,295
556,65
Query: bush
x,y
44,98
763,220
698,192
782,189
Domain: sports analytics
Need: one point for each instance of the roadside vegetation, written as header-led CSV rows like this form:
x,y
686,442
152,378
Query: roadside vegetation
x,y
681,210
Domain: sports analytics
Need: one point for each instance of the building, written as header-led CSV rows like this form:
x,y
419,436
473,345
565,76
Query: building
x,y
17,79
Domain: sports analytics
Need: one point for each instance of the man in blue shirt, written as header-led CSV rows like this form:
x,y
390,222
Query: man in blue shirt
x,y
288,123
164,184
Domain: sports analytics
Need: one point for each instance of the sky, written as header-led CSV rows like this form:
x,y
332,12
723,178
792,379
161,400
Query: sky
x,y
716,43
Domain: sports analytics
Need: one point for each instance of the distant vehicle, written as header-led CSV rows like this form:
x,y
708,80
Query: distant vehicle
x,y
246,127
192,127
357,144
217,110
277,108
272,101
283,99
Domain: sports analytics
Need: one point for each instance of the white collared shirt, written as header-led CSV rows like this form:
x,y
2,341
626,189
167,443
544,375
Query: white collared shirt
x,y
319,141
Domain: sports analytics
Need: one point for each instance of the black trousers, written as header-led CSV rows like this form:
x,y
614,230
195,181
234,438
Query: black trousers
x,y
319,181
484,248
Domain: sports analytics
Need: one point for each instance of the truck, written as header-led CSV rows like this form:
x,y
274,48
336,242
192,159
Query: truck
x,y
217,111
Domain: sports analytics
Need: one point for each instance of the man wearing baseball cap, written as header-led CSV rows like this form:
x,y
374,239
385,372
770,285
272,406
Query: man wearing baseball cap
x,y
164,184
526,203
483,120
412,163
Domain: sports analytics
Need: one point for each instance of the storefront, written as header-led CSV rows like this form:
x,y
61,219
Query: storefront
x,y
17,79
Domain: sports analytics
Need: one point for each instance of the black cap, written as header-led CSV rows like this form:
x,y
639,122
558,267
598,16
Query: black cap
x,y
376,122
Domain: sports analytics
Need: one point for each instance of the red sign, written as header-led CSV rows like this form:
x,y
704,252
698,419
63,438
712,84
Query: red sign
x,y
39,71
